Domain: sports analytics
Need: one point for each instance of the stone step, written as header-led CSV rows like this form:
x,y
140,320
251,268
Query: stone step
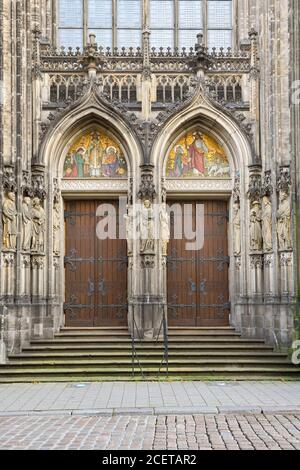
x,y
111,347
184,369
171,335
147,354
89,363
137,377
185,339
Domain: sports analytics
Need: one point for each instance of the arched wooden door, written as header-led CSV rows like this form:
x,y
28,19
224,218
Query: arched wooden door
x,y
197,281
95,270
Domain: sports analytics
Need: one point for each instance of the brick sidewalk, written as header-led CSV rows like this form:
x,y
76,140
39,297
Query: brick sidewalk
x,y
160,398
152,432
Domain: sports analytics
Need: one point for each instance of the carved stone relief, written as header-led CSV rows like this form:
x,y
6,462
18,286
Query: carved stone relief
x,y
9,220
26,224
38,226
147,228
164,219
129,229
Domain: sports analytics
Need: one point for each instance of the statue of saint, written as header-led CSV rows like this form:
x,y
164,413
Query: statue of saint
x,y
267,224
164,219
26,223
255,227
56,228
147,227
9,219
38,221
236,220
284,222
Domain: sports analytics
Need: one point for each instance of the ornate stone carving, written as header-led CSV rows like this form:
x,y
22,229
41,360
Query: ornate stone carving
x,y
38,186
26,224
147,188
146,228
284,221
164,219
56,263
269,260
26,261
148,261
9,220
254,195
286,259
256,261
267,215
9,180
37,262
129,229
284,180
196,185
236,216
8,259
256,227
284,211
38,226
56,227
267,187
105,184
254,191
236,192
267,224
236,222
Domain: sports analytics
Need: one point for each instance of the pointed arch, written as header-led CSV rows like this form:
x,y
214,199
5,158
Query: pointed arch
x,y
91,110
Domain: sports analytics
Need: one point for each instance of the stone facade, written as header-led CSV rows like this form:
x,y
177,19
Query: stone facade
x,y
49,96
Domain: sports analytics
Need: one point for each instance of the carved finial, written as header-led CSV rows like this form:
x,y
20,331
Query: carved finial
x,y
253,34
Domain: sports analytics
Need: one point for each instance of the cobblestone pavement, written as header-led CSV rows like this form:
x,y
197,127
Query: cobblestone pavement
x,y
109,398
204,432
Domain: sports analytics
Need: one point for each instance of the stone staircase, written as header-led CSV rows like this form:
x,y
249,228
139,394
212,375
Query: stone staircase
x,y
99,354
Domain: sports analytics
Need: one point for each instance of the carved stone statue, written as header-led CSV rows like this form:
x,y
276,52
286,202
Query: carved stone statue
x,y
164,219
38,229
284,221
26,224
147,228
255,227
236,220
9,219
56,228
267,224
129,229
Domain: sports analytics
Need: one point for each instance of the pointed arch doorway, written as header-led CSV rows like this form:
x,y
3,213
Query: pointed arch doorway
x,y
95,266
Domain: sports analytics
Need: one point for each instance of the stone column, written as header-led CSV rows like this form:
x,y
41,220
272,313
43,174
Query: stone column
x,y
146,303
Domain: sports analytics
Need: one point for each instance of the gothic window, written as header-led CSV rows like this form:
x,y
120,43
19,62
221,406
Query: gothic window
x,y
173,23
176,23
114,22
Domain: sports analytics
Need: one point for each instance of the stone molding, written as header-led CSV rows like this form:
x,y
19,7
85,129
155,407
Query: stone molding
x,y
195,185
94,185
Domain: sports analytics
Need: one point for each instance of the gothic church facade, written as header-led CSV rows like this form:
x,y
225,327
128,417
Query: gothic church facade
x,y
169,104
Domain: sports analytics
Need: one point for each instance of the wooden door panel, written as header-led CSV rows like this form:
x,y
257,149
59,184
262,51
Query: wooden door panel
x,y
95,270
79,263
198,280
111,275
